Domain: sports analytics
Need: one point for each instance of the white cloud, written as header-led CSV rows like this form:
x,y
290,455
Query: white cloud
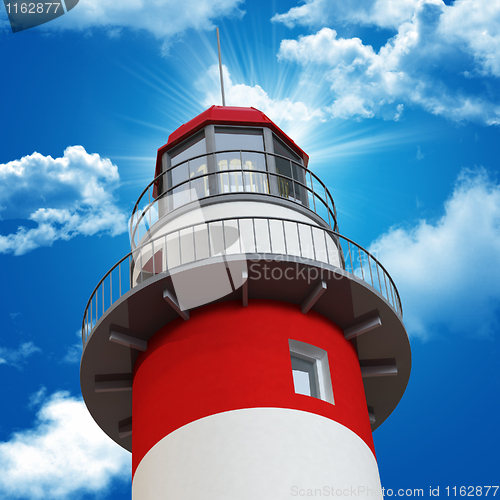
x,y
64,456
238,94
475,26
164,19
64,196
445,59
17,357
37,398
448,271
381,13
73,354
74,351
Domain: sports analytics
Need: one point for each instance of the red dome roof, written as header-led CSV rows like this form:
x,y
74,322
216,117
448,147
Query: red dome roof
x,y
225,115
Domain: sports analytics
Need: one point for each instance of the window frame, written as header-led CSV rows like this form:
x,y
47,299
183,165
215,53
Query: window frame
x,y
319,358
184,146
241,131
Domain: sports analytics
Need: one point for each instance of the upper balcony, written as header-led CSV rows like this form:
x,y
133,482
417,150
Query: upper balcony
x,y
216,159
245,173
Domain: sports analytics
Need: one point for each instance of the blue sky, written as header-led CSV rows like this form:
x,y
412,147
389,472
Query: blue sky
x,y
398,105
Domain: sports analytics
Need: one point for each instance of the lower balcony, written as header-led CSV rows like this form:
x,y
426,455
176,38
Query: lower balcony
x,y
258,238
243,259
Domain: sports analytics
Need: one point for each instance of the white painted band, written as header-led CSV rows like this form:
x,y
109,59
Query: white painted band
x,y
258,454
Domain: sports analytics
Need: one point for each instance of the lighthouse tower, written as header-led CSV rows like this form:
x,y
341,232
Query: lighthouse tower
x,y
244,348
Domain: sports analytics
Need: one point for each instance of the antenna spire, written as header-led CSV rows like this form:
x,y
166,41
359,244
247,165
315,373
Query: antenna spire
x,y
220,70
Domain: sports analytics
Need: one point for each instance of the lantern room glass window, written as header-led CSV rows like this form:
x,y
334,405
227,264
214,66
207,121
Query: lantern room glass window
x,y
231,159
187,162
194,146
281,149
245,154
229,138
289,166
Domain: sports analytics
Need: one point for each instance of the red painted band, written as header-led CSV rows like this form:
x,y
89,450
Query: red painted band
x,y
228,357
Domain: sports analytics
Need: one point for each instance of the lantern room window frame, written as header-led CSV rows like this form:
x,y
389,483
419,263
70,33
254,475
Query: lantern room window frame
x,y
272,163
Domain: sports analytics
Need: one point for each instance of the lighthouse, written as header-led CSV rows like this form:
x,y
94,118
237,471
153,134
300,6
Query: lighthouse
x,y
244,348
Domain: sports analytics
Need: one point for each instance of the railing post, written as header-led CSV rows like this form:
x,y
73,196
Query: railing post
x,y
153,256
270,237
328,208
142,269
326,248
350,256
254,236
130,273
386,289
149,207
361,263
298,236
242,171
313,193
312,242
370,268
223,239
266,166
284,236
378,274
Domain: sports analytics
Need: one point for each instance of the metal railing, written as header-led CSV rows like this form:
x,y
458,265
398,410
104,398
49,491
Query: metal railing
x,y
230,171
230,236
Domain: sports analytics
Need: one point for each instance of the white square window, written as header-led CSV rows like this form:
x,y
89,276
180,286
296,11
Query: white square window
x,y
311,372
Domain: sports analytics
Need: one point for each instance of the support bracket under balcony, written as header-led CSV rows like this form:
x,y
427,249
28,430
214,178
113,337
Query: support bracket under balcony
x,y
171,300
363,327
128,340
113,382
371,415
378,368
125,428
314,296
